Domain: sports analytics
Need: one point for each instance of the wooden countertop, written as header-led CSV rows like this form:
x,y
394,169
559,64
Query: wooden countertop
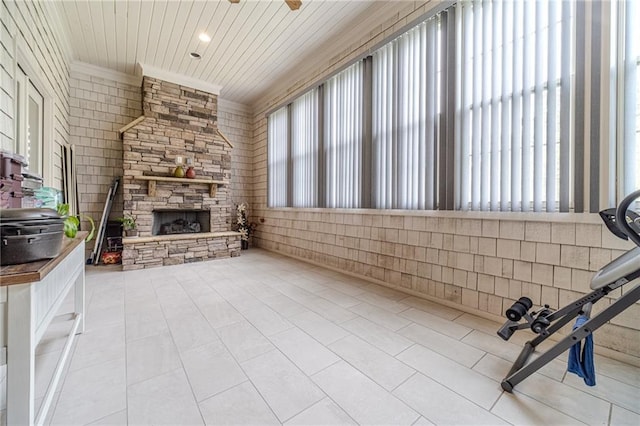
x,y
36,271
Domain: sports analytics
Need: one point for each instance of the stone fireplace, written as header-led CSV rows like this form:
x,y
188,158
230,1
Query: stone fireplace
x,y
179,219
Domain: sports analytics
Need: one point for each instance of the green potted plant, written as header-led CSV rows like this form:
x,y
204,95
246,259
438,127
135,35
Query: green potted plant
x,y
129,225
72,223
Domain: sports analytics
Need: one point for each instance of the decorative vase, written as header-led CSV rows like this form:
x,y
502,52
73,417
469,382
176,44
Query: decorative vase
x,y
178,172
191,173
244,244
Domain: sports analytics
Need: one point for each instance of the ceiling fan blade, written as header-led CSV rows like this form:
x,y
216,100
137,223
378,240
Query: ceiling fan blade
x,y
234,1
293,4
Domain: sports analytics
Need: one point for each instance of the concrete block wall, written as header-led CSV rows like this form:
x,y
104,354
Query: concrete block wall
x,y
480,263
235,121
99,107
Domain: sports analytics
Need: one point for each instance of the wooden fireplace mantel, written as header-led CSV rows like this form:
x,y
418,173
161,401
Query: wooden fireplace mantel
x,y
213,184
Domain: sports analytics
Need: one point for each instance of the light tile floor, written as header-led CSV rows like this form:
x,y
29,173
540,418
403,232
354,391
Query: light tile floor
x,y
264,339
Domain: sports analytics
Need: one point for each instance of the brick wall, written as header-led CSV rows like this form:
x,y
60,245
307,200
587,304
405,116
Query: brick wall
x,y
479,263
235,121
99,107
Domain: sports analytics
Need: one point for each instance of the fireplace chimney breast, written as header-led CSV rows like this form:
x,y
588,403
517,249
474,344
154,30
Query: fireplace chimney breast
x,y
178,121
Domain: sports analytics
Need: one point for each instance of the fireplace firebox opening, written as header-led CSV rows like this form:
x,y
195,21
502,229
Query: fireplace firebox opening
x,y
172,221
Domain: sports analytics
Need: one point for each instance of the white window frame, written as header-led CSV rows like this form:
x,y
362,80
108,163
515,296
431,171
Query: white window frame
x,y
26,64
619,145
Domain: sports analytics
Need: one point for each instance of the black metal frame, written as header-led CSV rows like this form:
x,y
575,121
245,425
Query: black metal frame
x,y
521,368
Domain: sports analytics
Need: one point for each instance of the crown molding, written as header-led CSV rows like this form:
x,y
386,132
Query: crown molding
x,y
106,73
182,80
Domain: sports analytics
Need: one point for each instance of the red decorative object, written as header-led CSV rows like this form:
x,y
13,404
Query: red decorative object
x,y
191,173
111,257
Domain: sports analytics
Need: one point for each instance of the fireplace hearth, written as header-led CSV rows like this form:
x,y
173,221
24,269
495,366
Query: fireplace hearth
x,y
170,221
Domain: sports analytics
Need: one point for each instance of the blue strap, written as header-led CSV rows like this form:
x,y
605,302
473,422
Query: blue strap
x,y
582,364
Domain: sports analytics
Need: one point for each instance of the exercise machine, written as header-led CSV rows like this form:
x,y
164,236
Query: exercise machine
x,y
625,224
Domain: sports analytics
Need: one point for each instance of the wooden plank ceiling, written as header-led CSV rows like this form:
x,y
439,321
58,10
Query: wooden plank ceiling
x,y
257,48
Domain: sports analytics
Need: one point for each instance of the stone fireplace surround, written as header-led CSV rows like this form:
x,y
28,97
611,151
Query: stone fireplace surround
x,y
177,121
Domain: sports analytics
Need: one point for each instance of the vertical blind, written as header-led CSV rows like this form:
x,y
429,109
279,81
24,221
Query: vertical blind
x,y
406,85
514,98
343,103
278,154
304,149
630,144
370,136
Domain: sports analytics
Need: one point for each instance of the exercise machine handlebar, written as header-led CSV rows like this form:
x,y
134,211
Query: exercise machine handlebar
x,y
621,217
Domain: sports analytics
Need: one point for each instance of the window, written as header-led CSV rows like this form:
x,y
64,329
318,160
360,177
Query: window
x,y
406,89
304,149
278,154
628,15
315,158
514,102
485,105
29,122
343,113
